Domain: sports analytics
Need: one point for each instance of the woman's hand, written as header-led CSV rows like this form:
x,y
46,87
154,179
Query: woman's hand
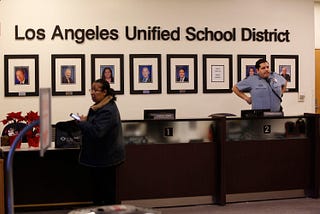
x,y
83,118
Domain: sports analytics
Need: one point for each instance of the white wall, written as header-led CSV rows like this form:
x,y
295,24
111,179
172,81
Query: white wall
x,y
294,15
317,24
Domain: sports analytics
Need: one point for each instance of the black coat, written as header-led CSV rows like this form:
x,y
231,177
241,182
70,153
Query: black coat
x,y
102,140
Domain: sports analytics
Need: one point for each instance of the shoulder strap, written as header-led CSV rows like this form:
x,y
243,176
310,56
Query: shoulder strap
x,y
268,81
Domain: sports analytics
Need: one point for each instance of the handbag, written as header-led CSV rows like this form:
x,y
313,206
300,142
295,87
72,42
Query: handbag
x,y
67,135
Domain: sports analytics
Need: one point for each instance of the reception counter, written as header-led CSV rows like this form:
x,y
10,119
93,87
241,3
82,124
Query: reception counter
x,y
262,156
183,162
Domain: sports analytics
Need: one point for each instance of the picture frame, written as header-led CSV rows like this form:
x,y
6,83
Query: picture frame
x,y
247,63
112,66
217,73
182,73
21,75
288,64
68,74
145,73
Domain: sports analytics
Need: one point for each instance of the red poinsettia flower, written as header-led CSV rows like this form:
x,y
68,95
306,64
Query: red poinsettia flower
x,y
16,119
13,117
4,122
31,116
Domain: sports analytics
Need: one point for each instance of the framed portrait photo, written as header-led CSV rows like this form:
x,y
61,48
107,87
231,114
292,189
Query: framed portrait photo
x,y
110,68
246,65
217,73
182,73
21,75
68,74
288,67
145,73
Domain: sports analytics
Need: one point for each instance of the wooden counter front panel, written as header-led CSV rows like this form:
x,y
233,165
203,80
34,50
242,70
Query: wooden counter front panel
x,y
149,172
168,170
55,178
267,166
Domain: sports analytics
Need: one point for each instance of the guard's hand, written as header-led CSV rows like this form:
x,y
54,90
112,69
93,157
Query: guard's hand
x,y
248,100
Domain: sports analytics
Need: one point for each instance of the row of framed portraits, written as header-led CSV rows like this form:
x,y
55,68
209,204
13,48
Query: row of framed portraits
x,y
68,72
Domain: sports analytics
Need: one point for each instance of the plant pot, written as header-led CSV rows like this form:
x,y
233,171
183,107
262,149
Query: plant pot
x,y
34,141
5,140
11,140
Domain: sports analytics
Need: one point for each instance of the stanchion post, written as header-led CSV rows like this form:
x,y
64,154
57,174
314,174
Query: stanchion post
x,y
9,161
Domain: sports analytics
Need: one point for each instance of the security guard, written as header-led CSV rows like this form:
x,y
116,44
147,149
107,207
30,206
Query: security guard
x,y
266,88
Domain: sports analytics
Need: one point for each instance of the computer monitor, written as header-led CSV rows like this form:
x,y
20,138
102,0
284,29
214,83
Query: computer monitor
x,y
253,113
159,114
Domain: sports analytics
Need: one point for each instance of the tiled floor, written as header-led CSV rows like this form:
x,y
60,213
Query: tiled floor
x,y
287,206
291,206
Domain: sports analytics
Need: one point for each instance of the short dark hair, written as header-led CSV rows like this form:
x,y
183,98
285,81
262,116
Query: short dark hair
x,y
257,66
106,86
182,68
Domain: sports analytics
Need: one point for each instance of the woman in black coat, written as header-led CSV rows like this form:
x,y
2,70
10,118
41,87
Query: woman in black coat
x,y
102,146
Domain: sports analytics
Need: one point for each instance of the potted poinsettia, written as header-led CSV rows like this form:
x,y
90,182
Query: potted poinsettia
x,y
33,136
14,123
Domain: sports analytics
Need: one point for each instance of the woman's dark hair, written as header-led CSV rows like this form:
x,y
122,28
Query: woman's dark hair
x,y
104,71
106,86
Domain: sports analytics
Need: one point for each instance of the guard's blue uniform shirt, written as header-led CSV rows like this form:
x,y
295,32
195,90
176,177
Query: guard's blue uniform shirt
x,y
261,93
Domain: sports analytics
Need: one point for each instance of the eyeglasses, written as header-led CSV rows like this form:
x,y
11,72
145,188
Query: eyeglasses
x,y
94,90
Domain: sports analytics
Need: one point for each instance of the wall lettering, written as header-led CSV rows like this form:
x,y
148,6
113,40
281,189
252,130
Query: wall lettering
x,y
154,33
29,34
80,35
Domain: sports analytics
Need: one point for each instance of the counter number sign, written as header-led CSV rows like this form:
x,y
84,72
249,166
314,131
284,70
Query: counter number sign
x,y
267,129
168,131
